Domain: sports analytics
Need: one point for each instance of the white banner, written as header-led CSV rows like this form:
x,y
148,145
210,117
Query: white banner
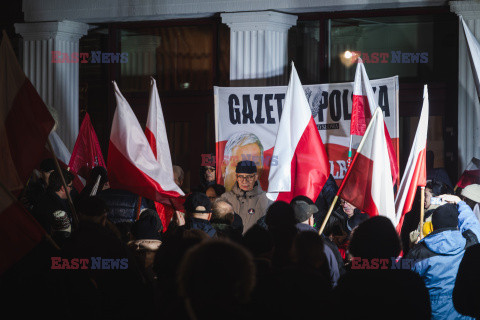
x,y
247,119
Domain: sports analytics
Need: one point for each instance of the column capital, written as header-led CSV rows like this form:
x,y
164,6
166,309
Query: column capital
x,y
468,9
63,30
259,20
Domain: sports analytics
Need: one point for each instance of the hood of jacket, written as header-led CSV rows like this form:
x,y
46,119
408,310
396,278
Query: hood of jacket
x,y
445,241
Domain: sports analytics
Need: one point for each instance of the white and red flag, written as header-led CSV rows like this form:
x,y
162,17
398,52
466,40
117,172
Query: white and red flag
x,y
473,54
363,106
131,163
86,153
303,166
415,174
156,134
25,124
368,182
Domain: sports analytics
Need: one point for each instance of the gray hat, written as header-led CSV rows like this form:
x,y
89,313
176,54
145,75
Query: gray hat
x,y
303,211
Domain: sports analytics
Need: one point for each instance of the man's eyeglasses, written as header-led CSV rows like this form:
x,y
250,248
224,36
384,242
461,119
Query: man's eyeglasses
x,y
248,178
210,169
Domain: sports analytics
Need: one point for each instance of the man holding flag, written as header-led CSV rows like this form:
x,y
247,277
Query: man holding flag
x,y
368,182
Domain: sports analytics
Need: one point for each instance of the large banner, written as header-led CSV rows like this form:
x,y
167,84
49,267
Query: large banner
x,y
247,119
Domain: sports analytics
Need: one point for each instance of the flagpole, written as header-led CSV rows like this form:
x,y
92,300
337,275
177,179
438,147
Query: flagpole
x,y
59,170
12,196
324,223
349,160
346,175
422,209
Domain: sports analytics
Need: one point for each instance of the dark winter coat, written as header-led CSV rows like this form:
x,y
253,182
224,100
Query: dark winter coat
x,y
201,224
122,205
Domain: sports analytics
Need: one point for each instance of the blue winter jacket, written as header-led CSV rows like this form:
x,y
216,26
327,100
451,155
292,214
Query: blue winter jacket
x,y
438,256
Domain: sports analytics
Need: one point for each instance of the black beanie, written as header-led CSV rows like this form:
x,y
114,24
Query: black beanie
x,y
148,226
445,216
246,166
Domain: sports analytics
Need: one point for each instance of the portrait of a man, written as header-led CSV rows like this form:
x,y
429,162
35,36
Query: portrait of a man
x,y
241,146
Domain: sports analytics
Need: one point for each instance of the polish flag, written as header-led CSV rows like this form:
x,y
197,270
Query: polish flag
x,y
473,54
471,175
25,124
368,182
86,153
415,174
303,166
131,163
363,106
156,134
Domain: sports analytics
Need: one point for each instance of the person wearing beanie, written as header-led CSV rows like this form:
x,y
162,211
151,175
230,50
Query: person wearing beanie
x,y
246,196
198,210
436,258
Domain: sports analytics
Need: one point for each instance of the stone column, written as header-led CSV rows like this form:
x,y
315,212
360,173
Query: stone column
x,y
57,83
258,47
468,104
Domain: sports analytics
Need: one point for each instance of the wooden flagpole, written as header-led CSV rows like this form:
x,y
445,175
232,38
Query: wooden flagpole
x,y
348,172
422,209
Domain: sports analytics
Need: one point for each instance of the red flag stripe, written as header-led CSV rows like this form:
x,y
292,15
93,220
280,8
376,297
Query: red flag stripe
x,y
360,115
21,236
151,140
307,177
358,191
28,125
124,174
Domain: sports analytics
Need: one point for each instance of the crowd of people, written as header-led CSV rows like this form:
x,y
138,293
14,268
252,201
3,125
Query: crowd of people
x,y
237,255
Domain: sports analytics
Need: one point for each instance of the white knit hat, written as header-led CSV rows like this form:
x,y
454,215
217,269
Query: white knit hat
x,y
472,192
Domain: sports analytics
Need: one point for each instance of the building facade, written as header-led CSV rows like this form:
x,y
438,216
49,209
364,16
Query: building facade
x,y
191,45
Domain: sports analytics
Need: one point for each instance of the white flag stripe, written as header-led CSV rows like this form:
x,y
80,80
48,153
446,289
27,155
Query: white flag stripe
x,y
131,142
59,147
473,53
290,130
156,125
376,150
419,144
